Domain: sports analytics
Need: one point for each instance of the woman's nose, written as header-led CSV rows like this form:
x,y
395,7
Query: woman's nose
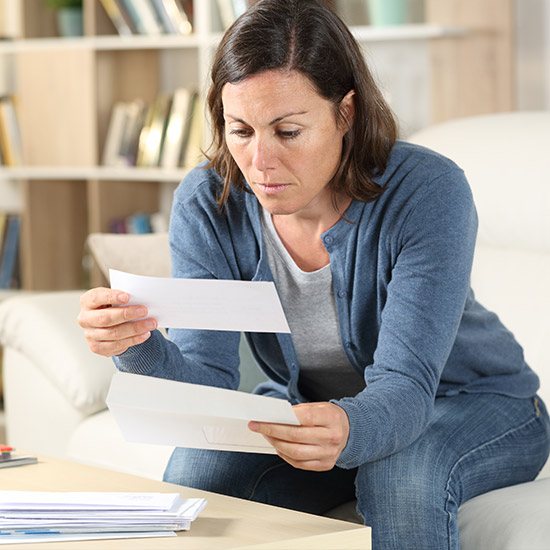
x,y
263,156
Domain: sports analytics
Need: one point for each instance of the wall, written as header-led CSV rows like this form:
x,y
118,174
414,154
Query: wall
x,y
533,54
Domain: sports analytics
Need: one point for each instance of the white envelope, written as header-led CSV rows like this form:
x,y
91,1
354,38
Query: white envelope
x,y
164,412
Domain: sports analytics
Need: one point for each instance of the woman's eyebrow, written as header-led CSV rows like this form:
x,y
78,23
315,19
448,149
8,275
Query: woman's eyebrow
x,y
274,121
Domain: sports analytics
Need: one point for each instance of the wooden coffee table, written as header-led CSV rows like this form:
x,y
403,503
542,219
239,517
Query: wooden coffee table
x,y
226,522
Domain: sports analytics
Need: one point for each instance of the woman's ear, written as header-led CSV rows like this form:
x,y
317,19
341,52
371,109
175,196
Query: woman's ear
x,y
347,109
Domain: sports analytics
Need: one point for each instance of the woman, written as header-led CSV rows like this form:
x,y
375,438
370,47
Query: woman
x,y
410,394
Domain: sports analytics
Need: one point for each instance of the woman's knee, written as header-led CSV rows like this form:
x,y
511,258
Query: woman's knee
x,y
409,503
229,473
405,483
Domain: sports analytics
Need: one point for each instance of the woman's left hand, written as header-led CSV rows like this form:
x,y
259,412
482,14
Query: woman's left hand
x,y
314,445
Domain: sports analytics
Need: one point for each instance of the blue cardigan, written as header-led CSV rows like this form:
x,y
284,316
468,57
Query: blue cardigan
x,y
401,272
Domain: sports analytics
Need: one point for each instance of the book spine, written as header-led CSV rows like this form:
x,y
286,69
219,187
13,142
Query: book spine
x,y
147,17
116,16
10,136
174,16
8,266
176,128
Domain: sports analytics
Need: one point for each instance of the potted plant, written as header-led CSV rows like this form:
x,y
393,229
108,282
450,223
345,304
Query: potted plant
x,y
69,16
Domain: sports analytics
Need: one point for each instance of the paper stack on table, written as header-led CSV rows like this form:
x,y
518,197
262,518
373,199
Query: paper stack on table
x,y
27,516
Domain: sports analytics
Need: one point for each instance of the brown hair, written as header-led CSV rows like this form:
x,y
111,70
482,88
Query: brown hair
x,y
305,36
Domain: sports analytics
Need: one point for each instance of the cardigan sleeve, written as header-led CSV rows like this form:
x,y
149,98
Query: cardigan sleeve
x,y
432,251
199,249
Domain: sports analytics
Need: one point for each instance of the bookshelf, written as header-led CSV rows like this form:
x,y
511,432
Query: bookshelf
x,y
65,89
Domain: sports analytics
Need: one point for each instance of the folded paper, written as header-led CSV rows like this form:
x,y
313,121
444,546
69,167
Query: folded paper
x,y
212,304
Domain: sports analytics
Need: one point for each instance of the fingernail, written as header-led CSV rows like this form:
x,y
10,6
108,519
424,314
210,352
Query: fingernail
x,y
253,426
151,323
123,297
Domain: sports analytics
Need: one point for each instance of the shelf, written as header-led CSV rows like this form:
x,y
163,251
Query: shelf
x,y
406,32
104,43
99,173
116,42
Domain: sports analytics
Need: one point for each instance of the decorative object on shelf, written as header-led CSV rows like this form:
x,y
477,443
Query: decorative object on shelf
x,y
387,12
69,16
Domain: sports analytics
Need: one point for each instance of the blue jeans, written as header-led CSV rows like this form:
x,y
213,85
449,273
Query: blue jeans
x,y
474,444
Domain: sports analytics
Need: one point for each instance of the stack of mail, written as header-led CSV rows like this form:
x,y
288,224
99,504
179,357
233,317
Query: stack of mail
x,y
27,516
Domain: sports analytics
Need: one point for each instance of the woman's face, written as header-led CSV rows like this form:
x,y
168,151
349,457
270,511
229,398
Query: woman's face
x,y
286,140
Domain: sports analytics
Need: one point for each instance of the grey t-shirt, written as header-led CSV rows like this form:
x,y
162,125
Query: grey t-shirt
x,y
310,307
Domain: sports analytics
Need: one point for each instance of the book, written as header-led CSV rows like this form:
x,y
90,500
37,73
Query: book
x,y
144,17
8,264
188,8
177,127
136,112
117,17
10,136
115,132
150,147
122,138
192,152
144,135
123,10
172,17
3,223
157,134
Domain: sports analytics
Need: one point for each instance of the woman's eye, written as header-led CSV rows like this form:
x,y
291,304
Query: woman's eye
x,y
240,132
289,134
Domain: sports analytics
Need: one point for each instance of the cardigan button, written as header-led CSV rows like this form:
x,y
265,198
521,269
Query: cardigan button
x,y
342,294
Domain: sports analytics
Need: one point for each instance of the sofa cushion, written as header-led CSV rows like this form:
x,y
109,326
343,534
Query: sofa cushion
x,y
147,254
43,328
513,518
505,158
504,282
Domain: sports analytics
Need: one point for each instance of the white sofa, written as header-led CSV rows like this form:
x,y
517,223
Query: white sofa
x,y
55,387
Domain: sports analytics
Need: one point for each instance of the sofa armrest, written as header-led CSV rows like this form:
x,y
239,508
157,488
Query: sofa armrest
x,y
43,328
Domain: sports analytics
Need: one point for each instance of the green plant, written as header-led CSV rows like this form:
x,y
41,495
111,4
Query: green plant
x,y
60,4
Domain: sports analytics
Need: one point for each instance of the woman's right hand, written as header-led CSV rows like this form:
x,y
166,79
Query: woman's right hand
x,y
112,330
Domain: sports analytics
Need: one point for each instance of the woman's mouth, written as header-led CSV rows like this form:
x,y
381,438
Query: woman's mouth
x,y
272,188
